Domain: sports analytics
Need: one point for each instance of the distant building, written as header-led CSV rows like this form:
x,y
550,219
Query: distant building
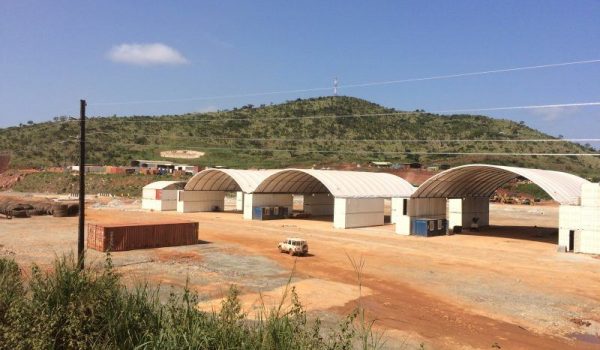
x,y
163,167
161,195
89,169
381,164
413,165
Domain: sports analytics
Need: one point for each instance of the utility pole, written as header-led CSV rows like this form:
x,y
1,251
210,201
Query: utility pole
x,y
81,237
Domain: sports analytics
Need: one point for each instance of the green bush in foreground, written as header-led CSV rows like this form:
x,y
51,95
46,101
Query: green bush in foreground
x,y
71,309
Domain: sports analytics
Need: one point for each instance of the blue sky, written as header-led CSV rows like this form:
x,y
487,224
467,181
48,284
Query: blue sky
x,y
53,53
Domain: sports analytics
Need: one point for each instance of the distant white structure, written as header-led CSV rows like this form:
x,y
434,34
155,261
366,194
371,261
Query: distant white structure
x,y
461,194
164,166
353,198
206,191
161,195
335,86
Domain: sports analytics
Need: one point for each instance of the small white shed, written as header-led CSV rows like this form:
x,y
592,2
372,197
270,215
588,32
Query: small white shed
x,y
161,195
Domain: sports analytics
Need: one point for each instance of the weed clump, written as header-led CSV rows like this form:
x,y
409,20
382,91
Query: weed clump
x,y
72,309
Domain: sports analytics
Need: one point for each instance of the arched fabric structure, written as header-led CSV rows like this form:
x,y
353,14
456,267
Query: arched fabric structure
x,y
481,180
341,184
227,180
165,185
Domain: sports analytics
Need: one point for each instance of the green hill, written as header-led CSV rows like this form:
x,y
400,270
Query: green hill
x,y
235,138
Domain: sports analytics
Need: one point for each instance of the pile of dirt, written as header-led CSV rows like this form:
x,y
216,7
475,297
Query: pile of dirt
x,y
182,154
9,178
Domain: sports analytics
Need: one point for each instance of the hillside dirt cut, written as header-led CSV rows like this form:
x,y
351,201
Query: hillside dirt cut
x,y
503,287
182,154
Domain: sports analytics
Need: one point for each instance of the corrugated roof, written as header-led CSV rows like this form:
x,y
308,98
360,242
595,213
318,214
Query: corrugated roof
x,y
165,185
343,184
481,180
227,180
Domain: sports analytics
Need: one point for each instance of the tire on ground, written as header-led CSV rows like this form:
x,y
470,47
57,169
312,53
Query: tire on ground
x,y
59,210
72,209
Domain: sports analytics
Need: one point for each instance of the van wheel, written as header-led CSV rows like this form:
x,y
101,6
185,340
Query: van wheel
x,y
291,252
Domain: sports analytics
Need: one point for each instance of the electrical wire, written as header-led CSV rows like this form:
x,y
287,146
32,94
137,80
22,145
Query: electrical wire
x,y
349,140
174,119
357,85
355,151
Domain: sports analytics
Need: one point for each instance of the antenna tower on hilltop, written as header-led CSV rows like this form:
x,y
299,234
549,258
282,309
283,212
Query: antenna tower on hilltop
x,y
335,86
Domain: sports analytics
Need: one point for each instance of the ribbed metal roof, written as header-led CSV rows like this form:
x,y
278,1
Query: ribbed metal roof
x,y
342,184
165,185
227,180
481,180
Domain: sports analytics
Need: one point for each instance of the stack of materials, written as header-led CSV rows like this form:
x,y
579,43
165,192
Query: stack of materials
x,y
19,208
129,236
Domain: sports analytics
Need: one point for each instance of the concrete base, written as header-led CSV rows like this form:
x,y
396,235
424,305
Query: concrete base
x,y
158,199
159,204
252,200
319,204
399,209
403,225
200,201
579,228
462,211
358,212
239,201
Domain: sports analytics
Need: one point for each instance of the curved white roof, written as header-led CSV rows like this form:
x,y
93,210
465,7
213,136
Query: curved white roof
x,y
165,185
227,180
342,184
481,180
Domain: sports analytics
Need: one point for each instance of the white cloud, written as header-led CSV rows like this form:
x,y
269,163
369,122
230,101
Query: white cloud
x,y
146,54
554,113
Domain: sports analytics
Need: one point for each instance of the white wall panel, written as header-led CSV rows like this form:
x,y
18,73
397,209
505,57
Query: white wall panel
x,y
159,205
590,195
358,212
319,204
397,208
239,201
403,225
200,201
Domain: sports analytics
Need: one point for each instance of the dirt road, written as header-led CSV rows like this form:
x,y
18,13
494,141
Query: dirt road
x,y
503,287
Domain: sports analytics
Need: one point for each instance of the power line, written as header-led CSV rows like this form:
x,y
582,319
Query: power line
x,y
580,104
350,140
357,85
361,151
459,75
174,119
